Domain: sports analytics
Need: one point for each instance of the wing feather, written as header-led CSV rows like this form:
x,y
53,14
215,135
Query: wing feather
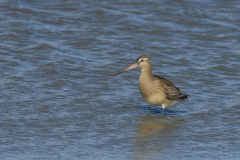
x,y
172,92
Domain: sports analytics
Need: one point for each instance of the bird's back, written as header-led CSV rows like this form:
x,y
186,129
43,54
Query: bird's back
x,y
171,91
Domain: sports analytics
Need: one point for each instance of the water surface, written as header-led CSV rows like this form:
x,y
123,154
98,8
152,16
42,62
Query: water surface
x,y
58,100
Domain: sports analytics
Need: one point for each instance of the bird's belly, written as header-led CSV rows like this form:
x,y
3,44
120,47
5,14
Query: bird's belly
x,y
155,99
158,99
152,92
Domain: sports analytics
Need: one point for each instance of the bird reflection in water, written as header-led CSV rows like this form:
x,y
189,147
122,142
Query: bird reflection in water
x,y
151,125
153,135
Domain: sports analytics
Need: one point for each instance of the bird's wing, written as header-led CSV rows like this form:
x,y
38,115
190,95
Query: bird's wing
x,y
172,92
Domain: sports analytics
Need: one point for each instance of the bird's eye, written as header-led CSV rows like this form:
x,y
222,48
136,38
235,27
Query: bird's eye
x,y
142,60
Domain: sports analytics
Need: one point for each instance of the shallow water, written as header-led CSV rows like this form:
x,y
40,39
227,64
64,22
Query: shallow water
x,y
58,100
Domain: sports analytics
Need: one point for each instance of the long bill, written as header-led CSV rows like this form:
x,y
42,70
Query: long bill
x,y
126,69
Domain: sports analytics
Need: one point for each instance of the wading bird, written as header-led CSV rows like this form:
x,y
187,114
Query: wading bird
x,y
156,90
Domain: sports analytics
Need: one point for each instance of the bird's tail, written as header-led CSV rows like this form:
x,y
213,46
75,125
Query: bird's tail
x,y
183,97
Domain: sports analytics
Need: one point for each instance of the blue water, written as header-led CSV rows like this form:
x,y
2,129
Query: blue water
x,y
58,100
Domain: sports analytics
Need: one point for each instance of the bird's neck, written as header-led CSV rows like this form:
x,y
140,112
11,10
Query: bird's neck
x,y
146,73
145,81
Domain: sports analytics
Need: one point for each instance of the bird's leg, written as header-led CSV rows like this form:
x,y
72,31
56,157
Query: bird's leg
x,y
150,108
163,111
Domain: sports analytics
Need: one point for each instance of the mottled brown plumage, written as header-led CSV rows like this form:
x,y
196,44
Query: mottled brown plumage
x,y
172,92
156,90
